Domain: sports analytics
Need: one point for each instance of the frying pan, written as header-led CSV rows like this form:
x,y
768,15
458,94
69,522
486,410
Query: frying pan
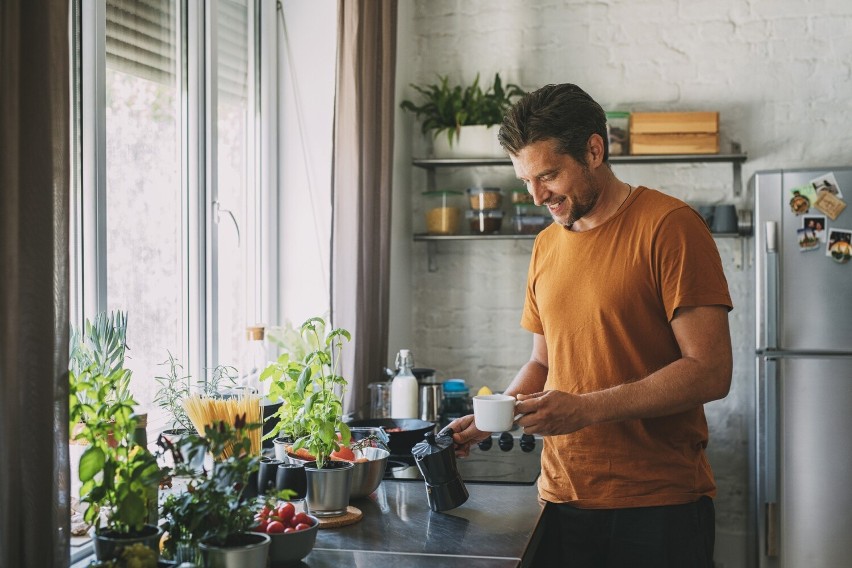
x,y
399,443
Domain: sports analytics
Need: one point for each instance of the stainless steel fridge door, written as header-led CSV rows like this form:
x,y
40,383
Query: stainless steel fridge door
x,y
803,456
813,308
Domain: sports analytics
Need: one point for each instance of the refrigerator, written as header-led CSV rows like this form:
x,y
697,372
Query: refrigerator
x,y
801,460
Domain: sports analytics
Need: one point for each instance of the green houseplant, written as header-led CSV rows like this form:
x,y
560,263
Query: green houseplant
x,y
119,476
213,517
311,390
173,390
445,108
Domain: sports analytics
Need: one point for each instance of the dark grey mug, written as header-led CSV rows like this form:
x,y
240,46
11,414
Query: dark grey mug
x,y
725,219
266,475
292,476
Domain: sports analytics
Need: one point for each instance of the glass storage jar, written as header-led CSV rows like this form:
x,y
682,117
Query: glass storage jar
x,y
522,197
485,198
618,128
485,222
531,224
444,214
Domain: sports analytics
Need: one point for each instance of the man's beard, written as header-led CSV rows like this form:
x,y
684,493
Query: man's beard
x,y
579,209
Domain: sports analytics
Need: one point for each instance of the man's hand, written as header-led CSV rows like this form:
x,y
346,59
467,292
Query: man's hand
x,y
550,413
466,433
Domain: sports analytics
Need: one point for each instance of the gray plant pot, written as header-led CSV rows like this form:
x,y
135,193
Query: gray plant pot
x,y
109,545
328,488
249,550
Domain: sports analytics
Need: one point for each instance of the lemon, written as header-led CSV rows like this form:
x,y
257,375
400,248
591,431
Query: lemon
x,y
484,390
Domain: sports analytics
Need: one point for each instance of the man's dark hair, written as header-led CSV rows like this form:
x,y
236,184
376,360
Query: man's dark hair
x,y
565,113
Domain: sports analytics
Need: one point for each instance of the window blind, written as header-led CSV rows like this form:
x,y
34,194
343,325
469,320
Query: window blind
x,y
141,40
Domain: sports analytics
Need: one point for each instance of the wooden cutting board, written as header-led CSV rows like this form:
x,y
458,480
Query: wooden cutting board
x,y
351,516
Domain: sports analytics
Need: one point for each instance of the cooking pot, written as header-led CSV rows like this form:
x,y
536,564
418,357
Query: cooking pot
x,y
423,374
401,442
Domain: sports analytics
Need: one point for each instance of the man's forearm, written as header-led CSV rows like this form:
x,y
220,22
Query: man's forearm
x,y
530,379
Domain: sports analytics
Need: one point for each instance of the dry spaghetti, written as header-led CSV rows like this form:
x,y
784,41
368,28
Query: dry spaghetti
x,y
205,411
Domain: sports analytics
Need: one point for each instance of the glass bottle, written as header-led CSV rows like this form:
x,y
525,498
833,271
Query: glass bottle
x,y
254,360
404,390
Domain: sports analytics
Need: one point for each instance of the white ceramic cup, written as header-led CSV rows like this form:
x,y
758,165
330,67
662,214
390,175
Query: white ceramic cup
x,y
494,412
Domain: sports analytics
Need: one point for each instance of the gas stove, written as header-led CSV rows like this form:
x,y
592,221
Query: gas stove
x,y
509,458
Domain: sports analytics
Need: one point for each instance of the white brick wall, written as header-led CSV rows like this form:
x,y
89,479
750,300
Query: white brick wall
x,y
777,70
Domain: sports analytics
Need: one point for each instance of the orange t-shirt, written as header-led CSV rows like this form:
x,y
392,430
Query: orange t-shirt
x,y
604,299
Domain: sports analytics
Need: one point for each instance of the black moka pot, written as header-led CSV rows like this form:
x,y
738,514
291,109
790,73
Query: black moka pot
x,y
436,459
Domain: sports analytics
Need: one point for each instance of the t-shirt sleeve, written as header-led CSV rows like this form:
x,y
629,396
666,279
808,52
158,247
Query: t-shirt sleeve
x,y
688,266
530,318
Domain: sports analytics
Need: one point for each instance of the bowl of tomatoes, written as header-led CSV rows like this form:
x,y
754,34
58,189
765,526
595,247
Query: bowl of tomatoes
x,y
293,533
370,465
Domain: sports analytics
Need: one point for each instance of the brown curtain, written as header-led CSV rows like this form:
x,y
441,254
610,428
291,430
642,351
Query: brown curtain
x,y
361,186
34,189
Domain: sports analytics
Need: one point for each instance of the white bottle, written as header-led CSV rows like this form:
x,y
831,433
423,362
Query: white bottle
x,y
404,389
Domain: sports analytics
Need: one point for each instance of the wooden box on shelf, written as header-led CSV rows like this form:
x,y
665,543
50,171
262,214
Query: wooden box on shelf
x,y
674,133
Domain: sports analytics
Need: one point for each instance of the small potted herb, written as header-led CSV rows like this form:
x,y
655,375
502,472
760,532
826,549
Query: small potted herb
x,y
119,476
447,109
174,389
213,518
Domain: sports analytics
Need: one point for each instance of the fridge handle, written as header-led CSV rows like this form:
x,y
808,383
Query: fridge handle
x,y
771,229
770,477
770,308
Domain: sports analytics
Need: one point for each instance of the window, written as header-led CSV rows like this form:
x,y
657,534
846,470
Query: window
x,y
167,218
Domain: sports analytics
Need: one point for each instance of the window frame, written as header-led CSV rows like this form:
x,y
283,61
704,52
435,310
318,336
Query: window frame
x,y
198,53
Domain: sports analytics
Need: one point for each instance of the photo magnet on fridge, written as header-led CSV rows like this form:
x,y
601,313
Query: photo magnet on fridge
x,y
839,245
808,239
829,204
828,183
800,203
815,223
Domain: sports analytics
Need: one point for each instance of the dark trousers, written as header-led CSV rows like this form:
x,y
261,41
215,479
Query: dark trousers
x,y
673,536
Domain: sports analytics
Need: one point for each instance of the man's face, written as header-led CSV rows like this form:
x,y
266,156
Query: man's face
x,y
556,180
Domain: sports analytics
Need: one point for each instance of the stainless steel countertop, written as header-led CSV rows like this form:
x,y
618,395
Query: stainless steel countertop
x,y
498,527
495,527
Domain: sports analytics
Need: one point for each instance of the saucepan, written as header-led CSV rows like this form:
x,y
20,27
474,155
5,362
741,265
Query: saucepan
x,y
403,433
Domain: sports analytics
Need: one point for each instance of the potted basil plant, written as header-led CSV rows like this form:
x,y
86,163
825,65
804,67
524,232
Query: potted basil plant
x,y
312,392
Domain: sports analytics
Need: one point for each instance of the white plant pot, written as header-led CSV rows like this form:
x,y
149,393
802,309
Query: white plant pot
x,y
475,141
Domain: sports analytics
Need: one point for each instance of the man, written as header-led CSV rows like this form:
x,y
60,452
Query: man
x,y
628,305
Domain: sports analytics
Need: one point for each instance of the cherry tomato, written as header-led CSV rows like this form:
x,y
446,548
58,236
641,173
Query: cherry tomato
x,y
289,530
265,511
275,527
262,525
301,518
301,527
285,512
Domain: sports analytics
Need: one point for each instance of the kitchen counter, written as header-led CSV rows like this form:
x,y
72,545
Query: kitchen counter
x,y
497,526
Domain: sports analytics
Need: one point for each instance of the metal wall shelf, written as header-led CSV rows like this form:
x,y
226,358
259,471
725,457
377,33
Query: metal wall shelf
x,y
736,157
433,240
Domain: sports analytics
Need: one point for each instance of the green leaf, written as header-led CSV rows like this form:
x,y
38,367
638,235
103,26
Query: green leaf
x,y
91,463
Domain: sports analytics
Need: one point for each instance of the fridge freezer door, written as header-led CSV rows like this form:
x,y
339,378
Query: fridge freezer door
x,y
814,304
803,459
